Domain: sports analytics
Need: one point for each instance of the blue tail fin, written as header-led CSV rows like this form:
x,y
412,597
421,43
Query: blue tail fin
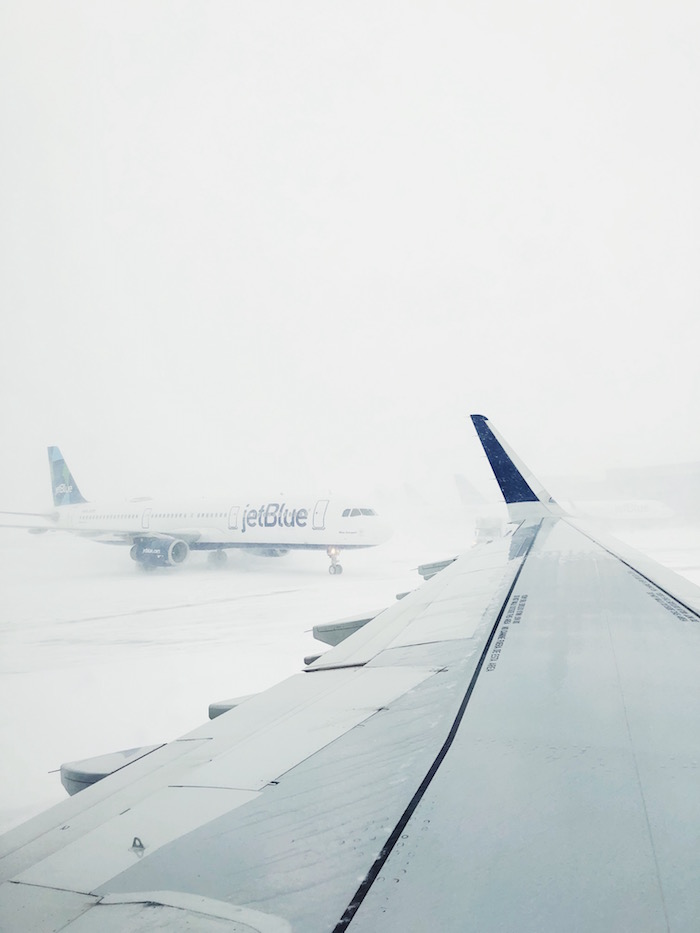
x,y
518,485
63,486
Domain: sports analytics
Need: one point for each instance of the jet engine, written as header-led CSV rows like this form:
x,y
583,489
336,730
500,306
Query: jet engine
x,y
159,552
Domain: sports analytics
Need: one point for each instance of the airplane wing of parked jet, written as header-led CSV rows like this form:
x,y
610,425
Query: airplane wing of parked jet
x,y
512,746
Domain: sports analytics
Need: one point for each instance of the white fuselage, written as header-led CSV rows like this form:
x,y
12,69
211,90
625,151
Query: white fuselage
x,y
212,523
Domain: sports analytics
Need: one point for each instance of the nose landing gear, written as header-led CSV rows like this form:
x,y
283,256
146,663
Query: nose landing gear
x,y
335,566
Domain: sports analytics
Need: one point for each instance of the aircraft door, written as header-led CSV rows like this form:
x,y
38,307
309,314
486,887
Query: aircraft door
x,y
233,517
146,518
319,517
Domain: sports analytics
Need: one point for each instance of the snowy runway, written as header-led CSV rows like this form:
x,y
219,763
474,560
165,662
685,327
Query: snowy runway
x,y
96,656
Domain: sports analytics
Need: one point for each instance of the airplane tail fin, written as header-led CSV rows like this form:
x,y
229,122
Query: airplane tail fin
x,y
469,495
518,484
63,486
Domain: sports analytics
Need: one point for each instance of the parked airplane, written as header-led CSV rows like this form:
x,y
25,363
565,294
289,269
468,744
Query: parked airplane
x,y
514,745
162,533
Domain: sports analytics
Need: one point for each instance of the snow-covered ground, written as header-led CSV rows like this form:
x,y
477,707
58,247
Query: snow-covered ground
x,y
97,656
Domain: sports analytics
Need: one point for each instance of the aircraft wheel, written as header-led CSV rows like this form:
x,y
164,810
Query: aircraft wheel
x,y
218,557
338,568
332,569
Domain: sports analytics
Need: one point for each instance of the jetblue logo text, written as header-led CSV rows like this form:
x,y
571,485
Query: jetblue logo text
x,y
63,488
274,515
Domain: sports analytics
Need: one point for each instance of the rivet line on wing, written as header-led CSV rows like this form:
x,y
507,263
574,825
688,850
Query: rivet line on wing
x,y
381,859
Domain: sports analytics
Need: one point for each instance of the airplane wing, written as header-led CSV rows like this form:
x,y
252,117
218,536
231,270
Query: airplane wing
x,y
30,521
38,522
512,746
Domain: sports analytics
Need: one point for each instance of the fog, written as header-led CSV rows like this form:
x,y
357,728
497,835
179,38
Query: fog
x,y
299,244
276,247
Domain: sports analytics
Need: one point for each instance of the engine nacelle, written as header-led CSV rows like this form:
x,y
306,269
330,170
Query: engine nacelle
x,y
159,552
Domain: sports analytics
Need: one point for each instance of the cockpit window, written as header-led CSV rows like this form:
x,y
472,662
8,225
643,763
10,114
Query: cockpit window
x,y
346,512
355,512
368,511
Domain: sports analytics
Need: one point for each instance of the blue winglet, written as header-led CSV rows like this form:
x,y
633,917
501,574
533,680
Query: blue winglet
x,y
514,486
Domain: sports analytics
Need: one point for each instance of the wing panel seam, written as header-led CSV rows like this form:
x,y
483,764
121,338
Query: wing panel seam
x,y
639,573
395,835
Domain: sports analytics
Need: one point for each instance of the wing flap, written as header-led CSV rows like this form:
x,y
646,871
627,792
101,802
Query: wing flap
x,y
45,910
25,908
451,605
130,835
272,747
297,850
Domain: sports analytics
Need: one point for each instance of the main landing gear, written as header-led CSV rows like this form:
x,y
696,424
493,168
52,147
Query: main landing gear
x,y
218,557
335,566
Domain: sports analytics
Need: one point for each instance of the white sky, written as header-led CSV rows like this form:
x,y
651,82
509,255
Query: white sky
x,y
298,243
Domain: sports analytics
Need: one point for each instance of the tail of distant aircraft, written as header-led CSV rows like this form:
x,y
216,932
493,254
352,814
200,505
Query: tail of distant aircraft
x,y
63,486
469,495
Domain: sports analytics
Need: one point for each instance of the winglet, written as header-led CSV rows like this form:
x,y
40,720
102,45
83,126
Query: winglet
x,y
63,486
518,485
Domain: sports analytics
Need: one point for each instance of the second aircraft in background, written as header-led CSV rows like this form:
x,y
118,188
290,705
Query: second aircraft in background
x,y
161,533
